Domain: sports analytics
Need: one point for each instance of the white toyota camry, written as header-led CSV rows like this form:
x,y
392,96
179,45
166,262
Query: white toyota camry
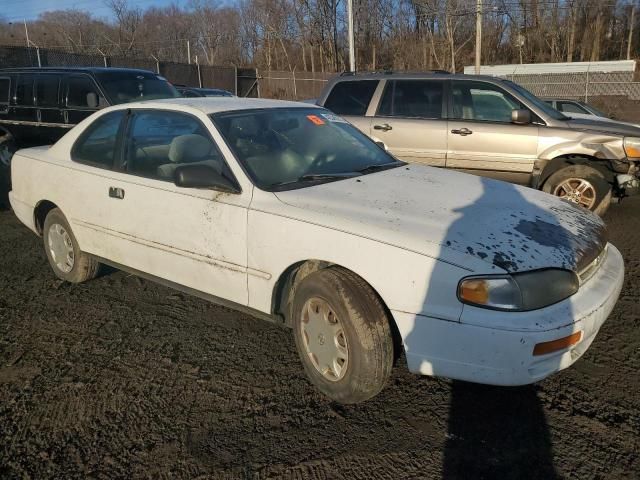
x,y
289,212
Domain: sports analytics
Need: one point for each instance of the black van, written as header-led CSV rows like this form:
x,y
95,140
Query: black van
x,y
39,105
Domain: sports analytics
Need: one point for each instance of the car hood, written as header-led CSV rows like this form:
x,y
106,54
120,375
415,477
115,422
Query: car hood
x,y
604,125
454,216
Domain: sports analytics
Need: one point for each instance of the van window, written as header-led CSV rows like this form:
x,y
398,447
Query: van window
x,y
412,99
24,90
351,98
78,88
5,84
47,90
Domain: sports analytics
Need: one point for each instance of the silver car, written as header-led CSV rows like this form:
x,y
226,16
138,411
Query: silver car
x,y
491,127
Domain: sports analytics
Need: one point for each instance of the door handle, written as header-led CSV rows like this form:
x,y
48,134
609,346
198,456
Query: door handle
x,y
39,116
461,131
65,116
115,192
384,127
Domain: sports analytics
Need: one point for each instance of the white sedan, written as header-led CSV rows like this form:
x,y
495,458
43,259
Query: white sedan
x,y
287,211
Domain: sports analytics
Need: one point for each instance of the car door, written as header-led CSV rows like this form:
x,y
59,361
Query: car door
x,y
351,99
23,111
49,113
481,137
410,121
193,237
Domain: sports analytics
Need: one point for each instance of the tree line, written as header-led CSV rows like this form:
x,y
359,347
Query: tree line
x,y
311,35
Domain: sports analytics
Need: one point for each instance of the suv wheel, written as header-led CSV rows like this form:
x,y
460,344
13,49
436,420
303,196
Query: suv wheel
x,y
583,185
68,262
343,335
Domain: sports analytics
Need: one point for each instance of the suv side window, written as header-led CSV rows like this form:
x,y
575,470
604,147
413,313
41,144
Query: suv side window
x,y
482,102
570,107
412,99
98,144
78,89
47,90
24,90
351,97
5,94
160,141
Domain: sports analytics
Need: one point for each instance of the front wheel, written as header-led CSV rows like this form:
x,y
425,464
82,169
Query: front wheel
x,y
67,261
583,185
342,334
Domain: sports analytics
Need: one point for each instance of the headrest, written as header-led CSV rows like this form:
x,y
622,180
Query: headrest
x,y
191,147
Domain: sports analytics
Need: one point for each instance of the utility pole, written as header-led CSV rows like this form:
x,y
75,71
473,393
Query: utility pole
x,y
352,53
189,52
26,32
633,14
478,35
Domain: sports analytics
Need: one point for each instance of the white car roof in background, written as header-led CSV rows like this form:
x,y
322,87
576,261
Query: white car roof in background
x,y
208,105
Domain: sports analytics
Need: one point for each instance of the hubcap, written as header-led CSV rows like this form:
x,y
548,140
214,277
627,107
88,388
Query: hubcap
x,y
61,247
324,340
577,190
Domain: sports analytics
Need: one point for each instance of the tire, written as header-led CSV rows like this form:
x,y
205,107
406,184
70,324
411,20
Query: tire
x,y
7,149
67,261
597,196
361,329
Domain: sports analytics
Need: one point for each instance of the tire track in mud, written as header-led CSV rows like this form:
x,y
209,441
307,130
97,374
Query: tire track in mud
x,y
122,378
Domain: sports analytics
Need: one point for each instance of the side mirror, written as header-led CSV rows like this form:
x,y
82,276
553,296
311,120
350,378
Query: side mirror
x,y
203,176
521,117
92,100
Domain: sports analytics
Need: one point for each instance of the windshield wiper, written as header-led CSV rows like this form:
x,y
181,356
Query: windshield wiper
x,y
310,177
380,166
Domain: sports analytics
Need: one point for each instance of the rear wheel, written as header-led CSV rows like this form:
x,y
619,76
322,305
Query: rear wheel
x,y
67,261
582,185
343,335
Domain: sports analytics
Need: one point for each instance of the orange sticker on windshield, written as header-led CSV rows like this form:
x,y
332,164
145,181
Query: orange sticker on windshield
x,y
315,119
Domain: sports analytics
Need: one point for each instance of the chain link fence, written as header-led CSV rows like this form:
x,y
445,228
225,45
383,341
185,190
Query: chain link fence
x,y
192,75
581,86
294,85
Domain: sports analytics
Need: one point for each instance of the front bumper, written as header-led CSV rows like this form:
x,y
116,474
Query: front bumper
x,y
469,350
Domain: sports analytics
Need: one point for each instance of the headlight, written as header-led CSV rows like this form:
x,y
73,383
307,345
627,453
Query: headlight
x,y
519,291
632,147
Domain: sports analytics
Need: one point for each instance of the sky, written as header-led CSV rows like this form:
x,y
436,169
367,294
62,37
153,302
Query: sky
x,y
17,10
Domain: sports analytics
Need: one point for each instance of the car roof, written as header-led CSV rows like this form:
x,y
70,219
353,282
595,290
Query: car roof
x,y
75,69
209,105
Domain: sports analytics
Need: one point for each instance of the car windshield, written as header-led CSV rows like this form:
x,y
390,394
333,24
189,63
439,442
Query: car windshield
x,y
124,87
594,110
539,103
214,92
287,148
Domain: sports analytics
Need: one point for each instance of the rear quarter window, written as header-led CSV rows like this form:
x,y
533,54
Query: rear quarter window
x,y
351,97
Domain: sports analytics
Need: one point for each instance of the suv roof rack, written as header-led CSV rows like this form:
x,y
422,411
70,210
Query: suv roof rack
x,y
391,72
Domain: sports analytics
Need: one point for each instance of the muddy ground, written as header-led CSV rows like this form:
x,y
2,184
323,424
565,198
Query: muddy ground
x,y
122,378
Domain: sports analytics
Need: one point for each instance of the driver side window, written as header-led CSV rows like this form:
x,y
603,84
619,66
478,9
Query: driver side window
x,y
482,102
159,142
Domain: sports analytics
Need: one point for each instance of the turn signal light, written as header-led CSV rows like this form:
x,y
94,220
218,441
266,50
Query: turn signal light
x,y
555,345
474,291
